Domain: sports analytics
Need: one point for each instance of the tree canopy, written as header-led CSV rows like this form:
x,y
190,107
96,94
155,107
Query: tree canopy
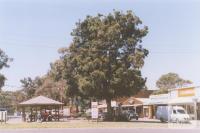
x,y
171,81
106,55
4,60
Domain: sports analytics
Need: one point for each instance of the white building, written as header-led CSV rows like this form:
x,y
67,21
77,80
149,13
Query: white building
x,y
188,97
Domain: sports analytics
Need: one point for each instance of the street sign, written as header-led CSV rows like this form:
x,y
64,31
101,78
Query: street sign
x,y
94,104
94,110
3,115
113,104
186,92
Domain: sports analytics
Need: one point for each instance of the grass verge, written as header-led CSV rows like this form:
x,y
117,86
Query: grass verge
x,y
83,124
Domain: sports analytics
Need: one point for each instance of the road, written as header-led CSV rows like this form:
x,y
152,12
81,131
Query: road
x,y
145,130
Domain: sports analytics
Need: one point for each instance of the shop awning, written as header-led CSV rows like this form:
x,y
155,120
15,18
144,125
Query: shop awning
x,y
132,105
158,102
102,106
181,100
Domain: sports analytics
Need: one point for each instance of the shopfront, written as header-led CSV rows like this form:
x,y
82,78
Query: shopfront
x,y
189,98
138,105
156,100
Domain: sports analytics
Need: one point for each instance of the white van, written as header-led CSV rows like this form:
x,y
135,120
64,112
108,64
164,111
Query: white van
x,y
172,114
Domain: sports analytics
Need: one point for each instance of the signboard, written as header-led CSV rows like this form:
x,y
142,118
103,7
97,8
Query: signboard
x,y
3,115
94,110
66,112
94,113
159,99
94,105
186,92
113,104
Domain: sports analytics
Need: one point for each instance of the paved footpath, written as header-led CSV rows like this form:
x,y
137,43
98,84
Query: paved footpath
x,y
109,130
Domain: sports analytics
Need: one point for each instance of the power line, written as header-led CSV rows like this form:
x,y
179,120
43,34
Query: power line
x,y
22,44
12,86
174,52
28,45
150,51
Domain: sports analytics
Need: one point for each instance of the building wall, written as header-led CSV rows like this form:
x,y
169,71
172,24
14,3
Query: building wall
x,y
189,93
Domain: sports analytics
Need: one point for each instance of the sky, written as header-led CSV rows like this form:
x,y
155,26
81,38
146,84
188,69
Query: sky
x,y
32,31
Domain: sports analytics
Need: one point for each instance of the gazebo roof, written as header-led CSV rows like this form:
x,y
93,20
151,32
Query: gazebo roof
x,y
40,100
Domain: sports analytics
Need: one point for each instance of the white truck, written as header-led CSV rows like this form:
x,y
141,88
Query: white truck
x,y
172,114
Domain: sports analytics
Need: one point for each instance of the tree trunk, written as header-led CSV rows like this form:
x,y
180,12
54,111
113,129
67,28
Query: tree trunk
x,y
76,105
109,110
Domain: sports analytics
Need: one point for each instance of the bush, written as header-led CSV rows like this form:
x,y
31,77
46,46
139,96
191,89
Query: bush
x,y
119,117
108,117
122,117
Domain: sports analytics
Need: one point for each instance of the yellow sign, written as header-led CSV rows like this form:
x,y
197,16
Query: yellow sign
x,y
186,92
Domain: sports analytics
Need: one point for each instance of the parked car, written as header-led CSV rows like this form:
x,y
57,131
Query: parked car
x,y
102,115
172,114
132,115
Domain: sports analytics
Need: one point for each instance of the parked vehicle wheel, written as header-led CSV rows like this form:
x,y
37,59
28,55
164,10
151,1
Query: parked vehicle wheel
x,y
129,118
162,120
177,121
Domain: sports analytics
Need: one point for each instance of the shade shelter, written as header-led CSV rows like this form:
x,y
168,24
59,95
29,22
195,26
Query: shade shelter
x,y
47,108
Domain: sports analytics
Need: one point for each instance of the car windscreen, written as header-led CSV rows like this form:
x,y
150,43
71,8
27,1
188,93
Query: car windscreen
x,y
180,111
131,111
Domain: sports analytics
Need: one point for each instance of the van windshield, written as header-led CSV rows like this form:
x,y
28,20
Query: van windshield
x,y
180,111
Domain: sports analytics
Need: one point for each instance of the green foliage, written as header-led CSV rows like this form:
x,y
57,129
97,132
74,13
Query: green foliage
x,y
4,60
105,57
160,91
7,101
56,71
46,86
122,117
29,86
171,81
102,62
51,88
2,80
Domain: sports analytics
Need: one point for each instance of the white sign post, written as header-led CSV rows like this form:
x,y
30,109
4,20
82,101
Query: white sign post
x,y
3,116
113,104
94,110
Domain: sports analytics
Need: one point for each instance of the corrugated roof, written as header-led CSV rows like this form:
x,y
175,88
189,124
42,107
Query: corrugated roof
x,y
143,100
133,100
41,100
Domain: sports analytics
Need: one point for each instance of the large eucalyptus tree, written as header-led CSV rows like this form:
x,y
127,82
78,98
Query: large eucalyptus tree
x,y
106,56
